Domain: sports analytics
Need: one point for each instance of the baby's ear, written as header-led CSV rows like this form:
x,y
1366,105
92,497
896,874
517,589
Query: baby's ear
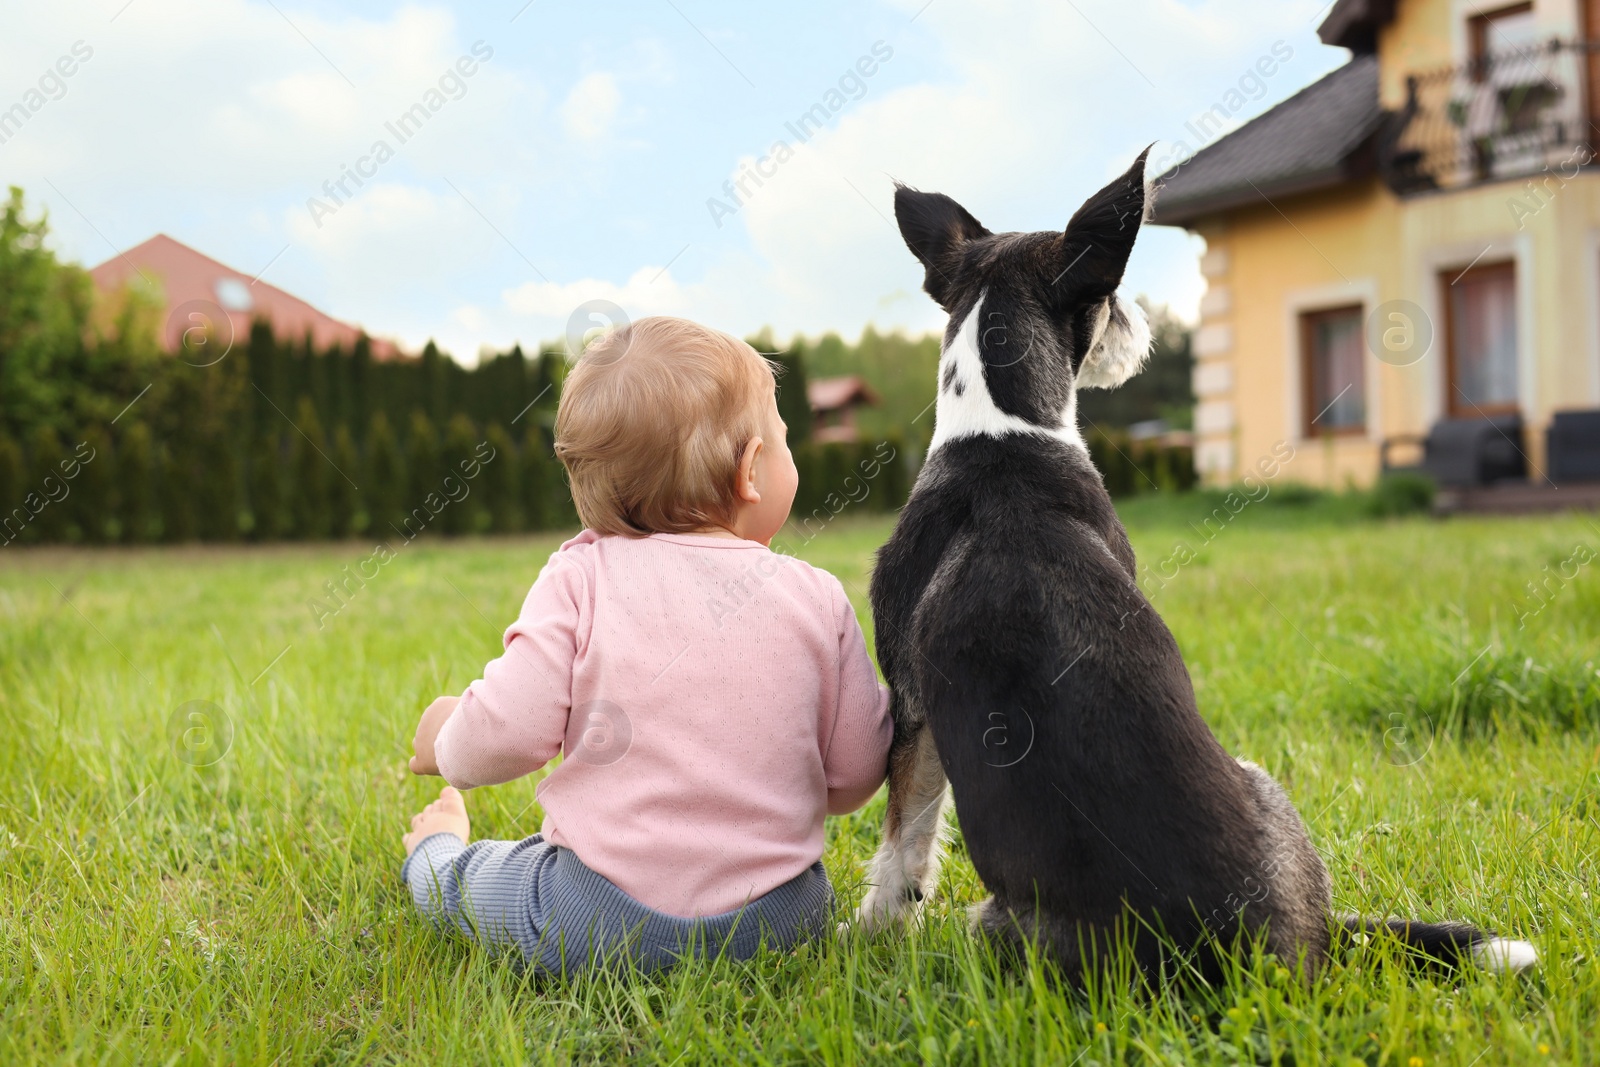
x,y
936,229
744,478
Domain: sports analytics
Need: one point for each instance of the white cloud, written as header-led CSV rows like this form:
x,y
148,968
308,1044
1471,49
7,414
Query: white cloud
x,y
648,291
226,102
1041,114
591,107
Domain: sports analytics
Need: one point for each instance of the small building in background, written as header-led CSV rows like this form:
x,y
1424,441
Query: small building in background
x,y
195,292
834,402
1409,244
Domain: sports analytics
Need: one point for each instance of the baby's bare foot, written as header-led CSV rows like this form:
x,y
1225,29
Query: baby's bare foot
x,y
447,815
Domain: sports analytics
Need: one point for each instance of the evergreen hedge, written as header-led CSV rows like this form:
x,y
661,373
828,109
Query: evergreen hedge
x,y
288,443
217,478
126,487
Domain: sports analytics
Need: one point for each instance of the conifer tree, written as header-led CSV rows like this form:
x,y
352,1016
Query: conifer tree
x,y
805,494
520,388
317,387
262,361
207,463
384,480
836,465
46,487
794,407
499,482
460,445
362,387
435,383
427,475
13,477
94,489
345,502
177,500
894,474
312,474
540,477
270,510
139,518
552,376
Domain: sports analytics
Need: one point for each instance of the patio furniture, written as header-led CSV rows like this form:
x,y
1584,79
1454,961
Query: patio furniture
x,y
1464,453
1573,447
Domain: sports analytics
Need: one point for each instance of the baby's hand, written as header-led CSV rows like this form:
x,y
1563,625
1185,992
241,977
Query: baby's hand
x,y
428,732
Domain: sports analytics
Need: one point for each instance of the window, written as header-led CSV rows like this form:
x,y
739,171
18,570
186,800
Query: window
x,y
1512,107
1481,340
1506,31
1333,371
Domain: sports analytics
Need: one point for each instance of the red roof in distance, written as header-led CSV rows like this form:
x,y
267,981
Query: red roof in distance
x,y
833,394
188,277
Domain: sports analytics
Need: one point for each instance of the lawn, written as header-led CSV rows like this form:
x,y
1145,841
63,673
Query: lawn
x,y
216,881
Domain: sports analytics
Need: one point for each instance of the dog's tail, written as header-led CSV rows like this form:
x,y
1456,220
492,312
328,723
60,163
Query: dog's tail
x,y
1454,944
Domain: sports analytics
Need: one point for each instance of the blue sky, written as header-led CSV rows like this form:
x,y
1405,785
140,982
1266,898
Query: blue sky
x,y
576,161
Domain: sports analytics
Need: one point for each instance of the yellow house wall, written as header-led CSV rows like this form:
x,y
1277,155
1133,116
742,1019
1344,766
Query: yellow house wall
x,y
1421,37
1362,245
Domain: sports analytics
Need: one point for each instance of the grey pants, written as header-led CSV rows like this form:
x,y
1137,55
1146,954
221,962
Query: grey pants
x,y
565,917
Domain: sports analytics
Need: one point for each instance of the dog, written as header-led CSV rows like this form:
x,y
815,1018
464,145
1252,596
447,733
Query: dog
x,y
1028,671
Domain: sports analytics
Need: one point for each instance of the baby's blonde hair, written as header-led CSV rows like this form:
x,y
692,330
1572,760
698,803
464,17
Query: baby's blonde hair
x,y
652,422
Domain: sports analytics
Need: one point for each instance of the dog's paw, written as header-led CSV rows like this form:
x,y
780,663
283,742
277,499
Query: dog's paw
x,y
887,906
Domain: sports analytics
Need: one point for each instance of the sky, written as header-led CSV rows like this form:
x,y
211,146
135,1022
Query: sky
x,y
648,154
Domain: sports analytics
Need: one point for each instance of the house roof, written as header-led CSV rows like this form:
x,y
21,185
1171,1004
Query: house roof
x,y
1354,24
831,394
185,276
1313,140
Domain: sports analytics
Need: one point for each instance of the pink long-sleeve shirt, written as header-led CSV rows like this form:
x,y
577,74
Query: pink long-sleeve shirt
x,y
712,700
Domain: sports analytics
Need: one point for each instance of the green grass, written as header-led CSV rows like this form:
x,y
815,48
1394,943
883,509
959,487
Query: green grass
x,y
248,911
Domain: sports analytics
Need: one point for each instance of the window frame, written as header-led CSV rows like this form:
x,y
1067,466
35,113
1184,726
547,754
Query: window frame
x,y
1309,408
1479,27
1456,404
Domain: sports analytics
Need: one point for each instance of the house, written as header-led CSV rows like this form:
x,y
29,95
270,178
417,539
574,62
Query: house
x,y
833,406
1413,239
197,291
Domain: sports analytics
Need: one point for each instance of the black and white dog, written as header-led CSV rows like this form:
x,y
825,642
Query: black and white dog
x,y
1007,609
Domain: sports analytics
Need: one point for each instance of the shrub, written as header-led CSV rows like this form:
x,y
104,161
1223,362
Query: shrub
x,y
1296,494
1128,467
1401,493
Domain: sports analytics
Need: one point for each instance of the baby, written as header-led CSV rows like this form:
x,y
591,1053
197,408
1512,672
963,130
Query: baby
x,y
713,700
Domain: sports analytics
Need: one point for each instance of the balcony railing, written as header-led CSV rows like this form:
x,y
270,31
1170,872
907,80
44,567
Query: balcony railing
x,y
1506,115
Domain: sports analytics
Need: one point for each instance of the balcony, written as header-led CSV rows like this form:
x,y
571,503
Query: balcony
x,y
1501,116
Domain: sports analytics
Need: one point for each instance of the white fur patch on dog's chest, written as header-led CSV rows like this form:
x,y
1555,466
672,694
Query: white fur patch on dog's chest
x,y
965,408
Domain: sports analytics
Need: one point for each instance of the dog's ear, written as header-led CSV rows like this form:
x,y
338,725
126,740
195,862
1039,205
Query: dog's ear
x,y
1100,236
936,229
